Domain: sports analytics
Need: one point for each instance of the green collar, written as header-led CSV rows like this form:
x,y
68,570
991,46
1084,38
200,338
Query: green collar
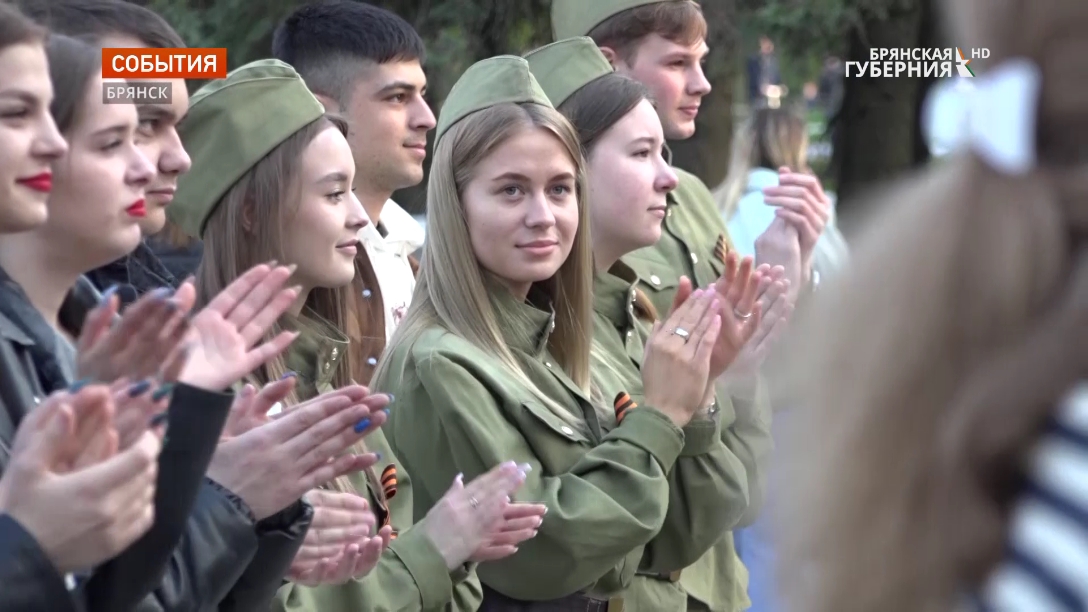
x,y
315,355
614,294
526,326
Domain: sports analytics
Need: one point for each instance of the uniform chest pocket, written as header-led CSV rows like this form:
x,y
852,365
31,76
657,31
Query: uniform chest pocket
x,y
654,273
553,422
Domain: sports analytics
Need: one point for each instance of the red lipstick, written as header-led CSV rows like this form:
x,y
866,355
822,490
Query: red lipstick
x,y
40,182
138,208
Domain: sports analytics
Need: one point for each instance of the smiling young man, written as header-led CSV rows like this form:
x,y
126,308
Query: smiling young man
x,y
366,64
115,23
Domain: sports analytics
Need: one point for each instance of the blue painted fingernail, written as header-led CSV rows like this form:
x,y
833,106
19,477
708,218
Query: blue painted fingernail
x,y
107,294
378,455
162,392
362,425
159,419
391,398
162,293
79,384
287,375
139,388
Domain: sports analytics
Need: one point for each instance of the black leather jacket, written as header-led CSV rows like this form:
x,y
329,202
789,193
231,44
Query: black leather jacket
x,y
204,551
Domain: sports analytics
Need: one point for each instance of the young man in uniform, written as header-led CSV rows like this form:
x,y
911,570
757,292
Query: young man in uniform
x,y
662,43
366,64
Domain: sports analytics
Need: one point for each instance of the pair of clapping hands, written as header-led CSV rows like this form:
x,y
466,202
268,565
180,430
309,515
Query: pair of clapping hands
x,y
82,468
725,329
471,522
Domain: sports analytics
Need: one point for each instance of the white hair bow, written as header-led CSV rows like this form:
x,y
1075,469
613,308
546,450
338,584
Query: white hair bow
x,y
994,115
1001,116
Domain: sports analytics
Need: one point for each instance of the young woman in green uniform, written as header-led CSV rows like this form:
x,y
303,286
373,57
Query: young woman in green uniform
x,y
271,178
629,180
493,360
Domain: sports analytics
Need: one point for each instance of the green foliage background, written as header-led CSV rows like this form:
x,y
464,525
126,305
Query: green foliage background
x,y
460,32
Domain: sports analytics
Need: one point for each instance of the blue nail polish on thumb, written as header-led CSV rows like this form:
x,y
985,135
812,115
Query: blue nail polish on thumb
x,y
362,425
378,455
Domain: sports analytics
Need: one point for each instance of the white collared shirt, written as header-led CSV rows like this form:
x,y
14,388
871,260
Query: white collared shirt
x,y
389,256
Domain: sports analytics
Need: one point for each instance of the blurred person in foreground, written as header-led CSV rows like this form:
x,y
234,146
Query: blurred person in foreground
x,y
937,455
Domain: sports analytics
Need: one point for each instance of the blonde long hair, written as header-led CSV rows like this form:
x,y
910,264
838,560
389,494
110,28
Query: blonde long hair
x,y
454,292
769,138
906,454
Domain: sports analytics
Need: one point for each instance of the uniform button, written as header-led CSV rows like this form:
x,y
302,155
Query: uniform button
x,y
552,326
372,361
548,363
335,352
655,279
668,213
628,334
694,258
567,430
37,400
326,366
366,293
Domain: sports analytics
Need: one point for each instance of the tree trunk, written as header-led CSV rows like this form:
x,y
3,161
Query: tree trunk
x,y
879,121
707,153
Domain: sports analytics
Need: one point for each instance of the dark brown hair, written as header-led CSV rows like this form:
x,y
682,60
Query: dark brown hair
x,y
681,22
72,65
95,19
593,110
932,367
16,28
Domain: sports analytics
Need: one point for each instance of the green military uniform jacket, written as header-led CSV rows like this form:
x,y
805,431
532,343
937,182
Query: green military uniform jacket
x,y
459,409
411,575
708,486
693,243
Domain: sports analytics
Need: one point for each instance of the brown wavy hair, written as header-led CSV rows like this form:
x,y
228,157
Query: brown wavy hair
x,y
933,366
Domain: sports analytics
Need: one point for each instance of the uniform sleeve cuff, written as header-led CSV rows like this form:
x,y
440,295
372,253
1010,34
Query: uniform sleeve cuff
x,y
652,431
700,435
426,565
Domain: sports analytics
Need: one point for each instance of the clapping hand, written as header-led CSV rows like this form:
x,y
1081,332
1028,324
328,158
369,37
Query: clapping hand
x,y
225,343
802,203
69,487
339,546
143,342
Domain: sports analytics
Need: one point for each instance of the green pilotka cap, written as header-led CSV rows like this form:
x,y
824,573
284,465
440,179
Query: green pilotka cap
x,y
578,17
497,80
232,124
564,67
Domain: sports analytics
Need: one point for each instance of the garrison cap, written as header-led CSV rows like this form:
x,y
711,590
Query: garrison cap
x,y
496,80
579,17
232,124
564,67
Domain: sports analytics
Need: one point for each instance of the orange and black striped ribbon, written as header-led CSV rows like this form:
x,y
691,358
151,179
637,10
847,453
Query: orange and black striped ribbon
x,y
389,481
393,535
721,249
623,403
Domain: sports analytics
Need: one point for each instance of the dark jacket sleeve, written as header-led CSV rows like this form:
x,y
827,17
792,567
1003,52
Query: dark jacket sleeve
x,y
219,542
196,419
280,538
29,580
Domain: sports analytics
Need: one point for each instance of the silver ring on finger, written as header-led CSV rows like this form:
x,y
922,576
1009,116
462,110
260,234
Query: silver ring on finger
x,y
683,333
475,503
742,317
